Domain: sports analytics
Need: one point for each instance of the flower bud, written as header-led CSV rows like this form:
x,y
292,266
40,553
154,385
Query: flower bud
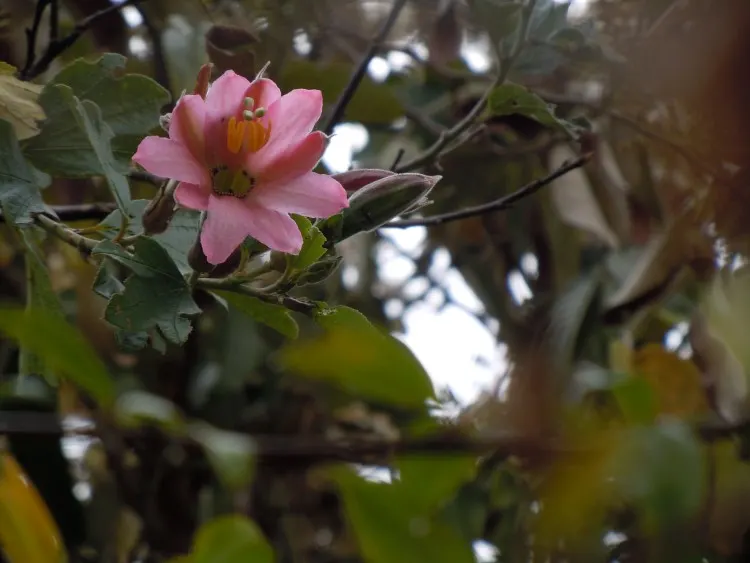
x,y
353,180
197,261
158,213
376,204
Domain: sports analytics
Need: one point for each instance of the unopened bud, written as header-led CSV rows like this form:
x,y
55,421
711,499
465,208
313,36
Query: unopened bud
x,y
376,204
229,266
158,213
197,261
320,270
353,180
204,77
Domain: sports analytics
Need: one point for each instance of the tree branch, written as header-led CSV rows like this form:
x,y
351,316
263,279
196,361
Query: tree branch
x,y
56,48
497,205
359,73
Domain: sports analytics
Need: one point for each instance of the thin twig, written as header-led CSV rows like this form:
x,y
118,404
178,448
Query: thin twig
x,y
65,234
31,35
236,286
54,20
79,212
359,72
497,205
56,48
446,137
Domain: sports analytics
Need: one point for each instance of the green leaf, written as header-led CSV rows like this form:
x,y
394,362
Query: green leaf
x,y
130,104
180,236
75,142
434,480
231,454
19,182
355,356
500,17
156,295
61,347
313,245
136,408
275,316
40,294
510,98
372,103
231,539
390,529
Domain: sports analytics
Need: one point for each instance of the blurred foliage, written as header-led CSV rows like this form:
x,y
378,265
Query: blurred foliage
x,y
285,421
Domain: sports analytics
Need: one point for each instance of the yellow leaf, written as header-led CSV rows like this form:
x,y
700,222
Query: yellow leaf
x,y
28,533
18,103
676,382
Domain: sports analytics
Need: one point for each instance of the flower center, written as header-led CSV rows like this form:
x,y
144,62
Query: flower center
x,y
245,135
236,183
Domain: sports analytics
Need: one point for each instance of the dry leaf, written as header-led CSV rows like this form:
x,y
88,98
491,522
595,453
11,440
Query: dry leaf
x,y
18,104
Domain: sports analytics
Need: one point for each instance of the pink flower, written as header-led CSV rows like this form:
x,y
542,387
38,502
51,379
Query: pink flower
x,y
245,155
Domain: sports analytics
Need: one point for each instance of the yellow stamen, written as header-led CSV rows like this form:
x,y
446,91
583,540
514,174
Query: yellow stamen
x,y
235,134
257,135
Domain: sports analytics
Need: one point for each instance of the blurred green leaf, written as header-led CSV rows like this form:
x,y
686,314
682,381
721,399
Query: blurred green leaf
x,y
431,481
156,295
390,529
75,141
231,454
275,316
500,17
110,225
231,539
636,400
61,347
510,98
373,103
40,294
19,182
355,356
650,457
136,408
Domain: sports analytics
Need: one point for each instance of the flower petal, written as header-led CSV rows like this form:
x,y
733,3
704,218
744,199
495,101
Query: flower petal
x,y
169,159
264,92
311,194
292,117
192,196
225,228
226,94
188,124
276,230
294,160
230,220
